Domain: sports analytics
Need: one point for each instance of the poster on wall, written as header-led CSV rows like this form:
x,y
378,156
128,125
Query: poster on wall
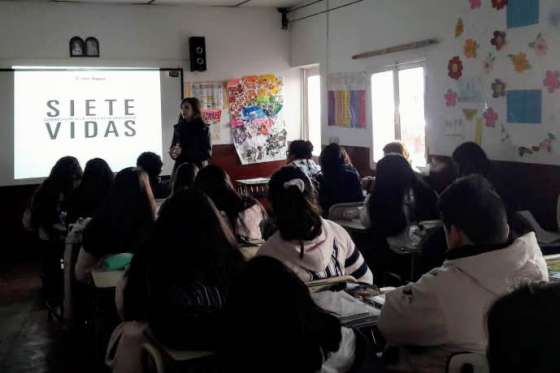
x,y
258,131
212,102
347,99
502,77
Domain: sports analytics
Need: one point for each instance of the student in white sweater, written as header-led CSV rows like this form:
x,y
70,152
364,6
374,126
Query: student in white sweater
x,y
444,312
312,247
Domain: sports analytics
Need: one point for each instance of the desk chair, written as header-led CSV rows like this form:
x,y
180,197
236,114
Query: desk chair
x,y
468,362
544,237
345,211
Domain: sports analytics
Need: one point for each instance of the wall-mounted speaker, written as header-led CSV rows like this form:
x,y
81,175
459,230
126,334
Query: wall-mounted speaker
x,y
197,51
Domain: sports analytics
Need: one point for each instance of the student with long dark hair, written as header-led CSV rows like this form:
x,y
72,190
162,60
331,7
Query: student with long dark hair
x,y
184,177
191,137
339,182
244,214
93,190
470,159
523,330
314,248
122,225
151,163
188,265
270,313
49,207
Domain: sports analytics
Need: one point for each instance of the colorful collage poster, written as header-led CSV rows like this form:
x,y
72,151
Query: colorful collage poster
x,y
258,132
347,99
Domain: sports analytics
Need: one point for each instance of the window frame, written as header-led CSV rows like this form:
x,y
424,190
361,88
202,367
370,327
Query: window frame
x,y
395,68
307,72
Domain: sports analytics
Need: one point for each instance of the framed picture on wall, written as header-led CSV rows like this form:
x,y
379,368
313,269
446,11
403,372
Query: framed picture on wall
x,y
92,47
77,47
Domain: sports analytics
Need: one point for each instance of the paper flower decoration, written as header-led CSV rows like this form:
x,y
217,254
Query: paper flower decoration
x,y
471,47
469,114
499,40
488,64
475,4
540,46
455,68
450,98
490,117
552,81
520,62
459,28
498,88
499,4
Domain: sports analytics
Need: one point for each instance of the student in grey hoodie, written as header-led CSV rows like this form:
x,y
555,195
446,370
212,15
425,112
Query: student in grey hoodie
x,y
312,247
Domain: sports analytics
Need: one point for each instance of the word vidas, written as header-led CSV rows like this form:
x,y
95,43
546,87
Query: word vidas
x,y
109,117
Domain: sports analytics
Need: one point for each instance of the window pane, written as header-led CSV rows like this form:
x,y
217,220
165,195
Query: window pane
x,y
314,112
383,111
413,123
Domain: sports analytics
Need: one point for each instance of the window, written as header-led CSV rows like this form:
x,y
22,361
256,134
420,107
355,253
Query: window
x,y
398,111
312,128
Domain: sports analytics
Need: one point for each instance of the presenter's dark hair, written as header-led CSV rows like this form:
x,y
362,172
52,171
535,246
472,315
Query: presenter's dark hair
x,y
195,105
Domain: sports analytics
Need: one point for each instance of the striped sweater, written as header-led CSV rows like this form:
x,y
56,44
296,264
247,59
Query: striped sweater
x,y
330,254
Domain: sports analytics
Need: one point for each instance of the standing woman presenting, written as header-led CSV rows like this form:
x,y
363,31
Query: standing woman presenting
x,y
191,136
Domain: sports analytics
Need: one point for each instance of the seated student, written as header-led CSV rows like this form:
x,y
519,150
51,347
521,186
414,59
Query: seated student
x,y
184,177
179,281
300,154
49,206
523,329
284,330
314,248
244,214
444,312
92,192
151,164
470,159
340,182
400,199
122,224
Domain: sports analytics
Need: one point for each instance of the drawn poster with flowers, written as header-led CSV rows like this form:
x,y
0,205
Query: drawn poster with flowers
x,y
258,131
499,81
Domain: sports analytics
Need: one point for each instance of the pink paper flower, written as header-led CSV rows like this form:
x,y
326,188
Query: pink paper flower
x,y
491,117
455,68
552,81
450,98
475,4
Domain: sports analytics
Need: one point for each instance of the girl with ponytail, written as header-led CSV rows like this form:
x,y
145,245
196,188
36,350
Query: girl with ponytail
x,y
313,247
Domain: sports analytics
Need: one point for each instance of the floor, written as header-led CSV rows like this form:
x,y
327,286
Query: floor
x,y
29,342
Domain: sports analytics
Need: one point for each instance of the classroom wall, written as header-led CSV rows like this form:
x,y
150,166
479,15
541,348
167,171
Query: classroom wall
x,y
369,25
243,41
375,24
533,179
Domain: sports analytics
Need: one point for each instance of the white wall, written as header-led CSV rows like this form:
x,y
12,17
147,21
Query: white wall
x,y
375,24
239,42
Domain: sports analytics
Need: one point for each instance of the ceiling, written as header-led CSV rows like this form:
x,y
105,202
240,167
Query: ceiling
x,y
224,3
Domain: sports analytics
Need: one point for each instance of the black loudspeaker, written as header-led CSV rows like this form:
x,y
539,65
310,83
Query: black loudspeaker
x,y
197,50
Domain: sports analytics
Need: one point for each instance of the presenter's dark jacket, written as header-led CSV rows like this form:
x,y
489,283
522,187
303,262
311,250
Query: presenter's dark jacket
x,y
194,138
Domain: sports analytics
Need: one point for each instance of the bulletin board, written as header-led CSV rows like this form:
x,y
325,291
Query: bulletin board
x,y
498,82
